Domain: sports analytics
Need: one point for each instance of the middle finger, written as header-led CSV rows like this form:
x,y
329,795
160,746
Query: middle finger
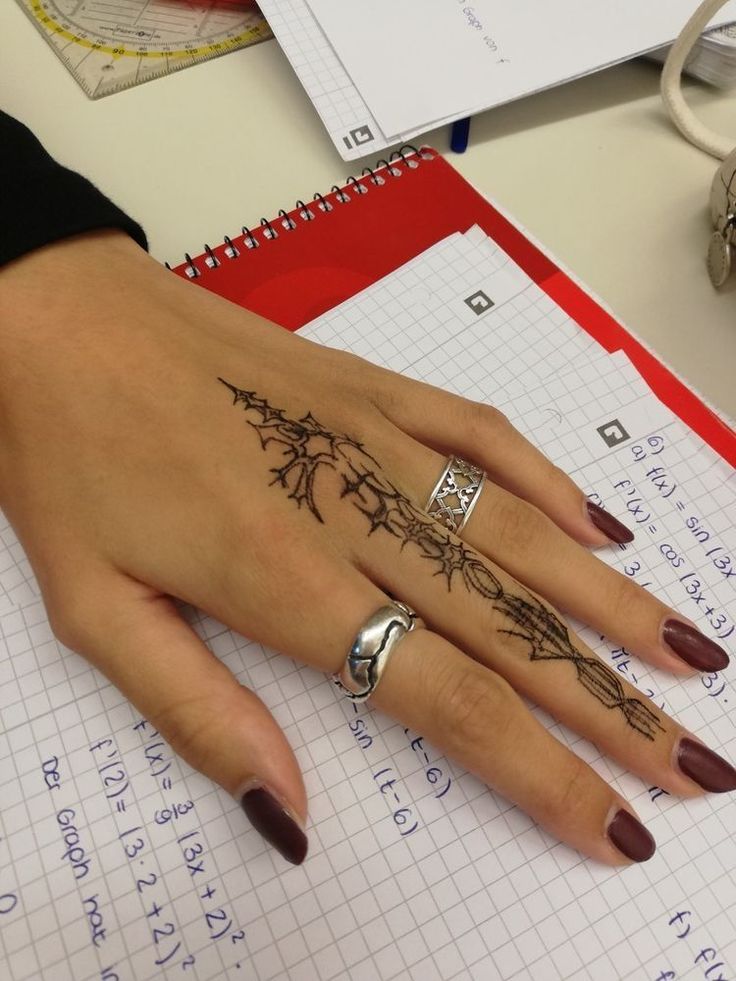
x,y
532,548
502,624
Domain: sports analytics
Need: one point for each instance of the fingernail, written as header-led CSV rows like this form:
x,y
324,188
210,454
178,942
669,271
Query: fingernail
x,y
693,647
271,819
709,770
609,525
631,837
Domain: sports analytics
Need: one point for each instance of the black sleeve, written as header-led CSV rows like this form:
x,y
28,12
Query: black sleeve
x,y
41,201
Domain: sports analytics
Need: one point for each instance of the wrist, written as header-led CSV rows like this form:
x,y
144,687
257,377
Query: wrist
x,y
50,289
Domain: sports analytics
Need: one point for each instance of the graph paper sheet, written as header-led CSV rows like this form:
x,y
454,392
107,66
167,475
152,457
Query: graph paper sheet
x,y
340,97
340,106
118,861
480,55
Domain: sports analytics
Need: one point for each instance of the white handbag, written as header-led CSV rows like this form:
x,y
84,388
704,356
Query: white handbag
x,y
723,188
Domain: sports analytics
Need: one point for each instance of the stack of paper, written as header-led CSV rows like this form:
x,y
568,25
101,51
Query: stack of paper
x,y
118,861
713,58
386,72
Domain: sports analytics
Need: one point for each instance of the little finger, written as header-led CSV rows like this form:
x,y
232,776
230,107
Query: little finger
x,y
474,716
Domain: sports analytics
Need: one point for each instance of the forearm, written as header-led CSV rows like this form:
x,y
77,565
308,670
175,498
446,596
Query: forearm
x,y
43,201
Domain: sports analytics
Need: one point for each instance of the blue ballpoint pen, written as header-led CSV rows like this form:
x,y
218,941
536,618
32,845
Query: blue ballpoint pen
x,y
459,135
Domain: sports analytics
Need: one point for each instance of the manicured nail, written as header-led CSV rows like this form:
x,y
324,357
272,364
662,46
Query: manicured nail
x,y
709,770
698,650
631,837
273,821
609,525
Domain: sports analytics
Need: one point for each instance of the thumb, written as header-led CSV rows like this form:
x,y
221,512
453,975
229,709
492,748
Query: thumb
x,y
140,642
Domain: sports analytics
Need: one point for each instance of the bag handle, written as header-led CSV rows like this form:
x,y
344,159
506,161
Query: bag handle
x,y
671,84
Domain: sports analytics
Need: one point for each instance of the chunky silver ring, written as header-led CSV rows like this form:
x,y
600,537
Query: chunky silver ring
x,y
374,644
456,494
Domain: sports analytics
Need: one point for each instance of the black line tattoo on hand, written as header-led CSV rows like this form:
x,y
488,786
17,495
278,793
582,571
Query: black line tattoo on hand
x,y
307,448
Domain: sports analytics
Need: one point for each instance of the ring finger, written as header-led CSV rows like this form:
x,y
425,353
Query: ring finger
x,y
488,613
473,715
464,708
533,549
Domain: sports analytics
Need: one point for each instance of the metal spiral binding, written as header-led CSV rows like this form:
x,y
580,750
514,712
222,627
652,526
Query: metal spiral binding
x,y
374,178
231,250
248,237
400,153
304,213
407,156
190,269
268,230
339,194
322,203
288,222
357,186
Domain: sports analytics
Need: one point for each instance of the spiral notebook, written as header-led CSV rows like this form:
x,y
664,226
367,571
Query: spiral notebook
x,y
293,268
119,862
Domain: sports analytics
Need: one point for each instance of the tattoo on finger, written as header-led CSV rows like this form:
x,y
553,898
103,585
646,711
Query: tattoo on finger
x,y
307,448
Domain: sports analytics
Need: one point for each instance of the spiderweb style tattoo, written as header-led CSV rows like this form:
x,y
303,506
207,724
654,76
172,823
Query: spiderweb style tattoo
x,y
308,449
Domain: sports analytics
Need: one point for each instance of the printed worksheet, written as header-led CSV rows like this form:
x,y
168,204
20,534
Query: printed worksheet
x,y
119,863
340,104
421,61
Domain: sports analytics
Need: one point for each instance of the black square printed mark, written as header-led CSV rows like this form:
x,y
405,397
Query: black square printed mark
x,y
479,302
362,134
613,433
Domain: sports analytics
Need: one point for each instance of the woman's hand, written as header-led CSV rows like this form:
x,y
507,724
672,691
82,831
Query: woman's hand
x,y
158,443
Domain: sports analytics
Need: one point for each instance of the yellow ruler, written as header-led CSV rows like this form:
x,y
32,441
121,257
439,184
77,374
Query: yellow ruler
x,y
110,45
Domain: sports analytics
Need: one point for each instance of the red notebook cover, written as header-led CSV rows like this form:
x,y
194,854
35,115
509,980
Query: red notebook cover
x,y
293,268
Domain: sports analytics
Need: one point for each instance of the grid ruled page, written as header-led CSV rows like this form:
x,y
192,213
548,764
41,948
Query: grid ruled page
x,y
463,297
354,128
487,53
118,861
341,108
345,114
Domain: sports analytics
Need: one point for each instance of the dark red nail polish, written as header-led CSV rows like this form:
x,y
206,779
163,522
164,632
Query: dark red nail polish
x,y
709,770
609,525
631,837
277,826
693,647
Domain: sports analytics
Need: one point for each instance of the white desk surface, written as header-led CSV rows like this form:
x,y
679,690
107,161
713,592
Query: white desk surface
x,y
593,169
